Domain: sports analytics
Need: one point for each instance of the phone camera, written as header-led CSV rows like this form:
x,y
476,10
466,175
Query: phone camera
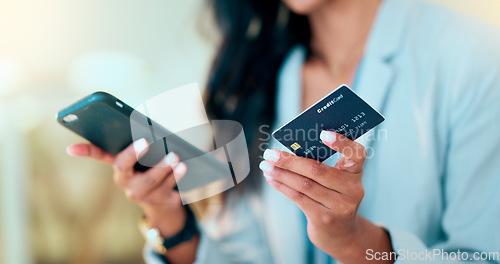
x,y
71,118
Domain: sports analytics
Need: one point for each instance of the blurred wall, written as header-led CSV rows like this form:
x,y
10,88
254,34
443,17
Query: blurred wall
x,y
58,209
488,10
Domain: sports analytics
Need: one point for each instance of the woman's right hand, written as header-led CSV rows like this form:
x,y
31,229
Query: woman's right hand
x,y
153,190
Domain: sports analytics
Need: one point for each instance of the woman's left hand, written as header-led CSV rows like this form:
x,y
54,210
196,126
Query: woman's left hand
x,y
328,196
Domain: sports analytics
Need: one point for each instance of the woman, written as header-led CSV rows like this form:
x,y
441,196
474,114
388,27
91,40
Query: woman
x,y
424,181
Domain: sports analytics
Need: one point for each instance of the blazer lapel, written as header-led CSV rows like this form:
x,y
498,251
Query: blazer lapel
x,y
285,228
376,71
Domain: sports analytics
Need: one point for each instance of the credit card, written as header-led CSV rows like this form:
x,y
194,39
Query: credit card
x,y
341,111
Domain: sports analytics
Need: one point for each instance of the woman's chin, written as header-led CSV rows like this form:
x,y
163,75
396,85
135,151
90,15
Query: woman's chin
x,y
303,7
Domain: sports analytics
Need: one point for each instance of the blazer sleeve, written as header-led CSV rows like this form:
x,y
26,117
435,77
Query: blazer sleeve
x,y
471,180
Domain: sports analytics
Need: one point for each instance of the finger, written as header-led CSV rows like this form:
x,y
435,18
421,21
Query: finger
x,y
174,199
145,183
165,193
125,160
179,172
311,208
310,168
165,165
354,153
172,178
344,164
305,185
172,161
90,151
332,178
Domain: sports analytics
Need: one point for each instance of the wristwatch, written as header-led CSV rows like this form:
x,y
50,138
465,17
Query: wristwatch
x,y
161,244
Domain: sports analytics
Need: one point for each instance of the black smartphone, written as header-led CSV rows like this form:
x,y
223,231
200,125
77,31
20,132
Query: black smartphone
x,y
107,122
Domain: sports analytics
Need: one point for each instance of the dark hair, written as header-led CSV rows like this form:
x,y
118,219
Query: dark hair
x,y
256,36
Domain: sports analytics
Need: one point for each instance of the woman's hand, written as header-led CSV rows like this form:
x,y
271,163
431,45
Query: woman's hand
x,y
152,190
329,197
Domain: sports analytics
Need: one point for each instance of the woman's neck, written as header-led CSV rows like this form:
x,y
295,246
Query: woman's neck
x,y
340,30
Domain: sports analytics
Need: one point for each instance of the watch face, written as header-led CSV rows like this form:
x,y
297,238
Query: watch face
x,y
152,236
153,233
161,244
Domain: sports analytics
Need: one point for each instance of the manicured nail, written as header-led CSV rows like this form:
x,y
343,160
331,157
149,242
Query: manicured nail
x,y
140,145
348,163
271,155
180,169
68,150
266,166
271,181
171,158
327,136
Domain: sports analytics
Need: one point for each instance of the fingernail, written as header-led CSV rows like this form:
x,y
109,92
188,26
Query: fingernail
x,y
180,169
171,158
327,136
271,155
266,166
271,181
267,176
68,150
348,163
140,145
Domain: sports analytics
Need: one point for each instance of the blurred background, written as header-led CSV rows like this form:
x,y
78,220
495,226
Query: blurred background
x,y
59,209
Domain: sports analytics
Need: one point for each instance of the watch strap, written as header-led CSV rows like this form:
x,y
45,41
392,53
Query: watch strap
x,y
187,232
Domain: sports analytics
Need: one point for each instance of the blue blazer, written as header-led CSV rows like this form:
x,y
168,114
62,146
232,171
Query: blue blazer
x,y
433,176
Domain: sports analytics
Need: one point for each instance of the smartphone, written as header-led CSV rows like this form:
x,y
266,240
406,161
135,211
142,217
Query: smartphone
x,y
110,124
